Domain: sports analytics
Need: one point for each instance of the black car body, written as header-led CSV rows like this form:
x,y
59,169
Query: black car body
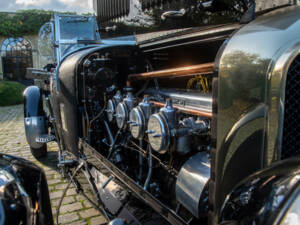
x,y
24,196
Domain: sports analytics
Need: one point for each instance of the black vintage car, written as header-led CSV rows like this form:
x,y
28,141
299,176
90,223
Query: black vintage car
x,y
194,125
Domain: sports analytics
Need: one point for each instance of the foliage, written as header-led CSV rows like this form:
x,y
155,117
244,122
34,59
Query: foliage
x,y
11,93
24,22
194,17
236,63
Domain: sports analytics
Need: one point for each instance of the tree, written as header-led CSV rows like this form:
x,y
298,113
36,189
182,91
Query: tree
x,y
24,22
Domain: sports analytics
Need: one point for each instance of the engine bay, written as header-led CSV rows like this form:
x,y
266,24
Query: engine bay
x,y
154,128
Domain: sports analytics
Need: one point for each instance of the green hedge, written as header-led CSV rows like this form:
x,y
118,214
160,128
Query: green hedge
x,y
11,93
24,22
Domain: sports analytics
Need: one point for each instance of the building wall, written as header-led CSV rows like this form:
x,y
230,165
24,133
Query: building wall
x,y
33,39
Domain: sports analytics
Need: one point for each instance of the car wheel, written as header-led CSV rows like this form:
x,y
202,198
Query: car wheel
x,y
39,152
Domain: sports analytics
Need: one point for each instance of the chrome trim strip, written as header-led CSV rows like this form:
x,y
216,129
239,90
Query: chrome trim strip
x,y
277,81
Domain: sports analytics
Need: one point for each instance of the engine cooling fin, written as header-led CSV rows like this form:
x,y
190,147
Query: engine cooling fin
x,y
291,126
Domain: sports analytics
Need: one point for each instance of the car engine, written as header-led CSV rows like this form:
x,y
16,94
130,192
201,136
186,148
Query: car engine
x,y
155,130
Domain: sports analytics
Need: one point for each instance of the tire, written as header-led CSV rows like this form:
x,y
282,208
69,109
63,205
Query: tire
x,y
39,152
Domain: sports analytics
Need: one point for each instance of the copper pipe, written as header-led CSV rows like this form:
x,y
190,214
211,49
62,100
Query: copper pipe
x,y
194,112
206,68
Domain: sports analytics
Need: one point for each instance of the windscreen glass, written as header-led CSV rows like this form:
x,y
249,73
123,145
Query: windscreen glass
x,y
45,45
80,28
72,30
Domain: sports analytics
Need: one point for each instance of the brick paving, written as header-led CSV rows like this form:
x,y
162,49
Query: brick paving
x,y
75,209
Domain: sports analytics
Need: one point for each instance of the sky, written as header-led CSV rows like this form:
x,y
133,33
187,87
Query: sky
x,y
80,6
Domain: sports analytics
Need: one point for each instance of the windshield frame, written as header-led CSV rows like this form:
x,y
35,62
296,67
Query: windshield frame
x,y
63,43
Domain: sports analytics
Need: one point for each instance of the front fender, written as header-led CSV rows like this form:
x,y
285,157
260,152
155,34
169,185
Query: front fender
x,y
252,73
33,105
34,116
262,197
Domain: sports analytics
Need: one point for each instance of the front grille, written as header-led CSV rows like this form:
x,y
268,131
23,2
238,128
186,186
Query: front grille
x,y
291,126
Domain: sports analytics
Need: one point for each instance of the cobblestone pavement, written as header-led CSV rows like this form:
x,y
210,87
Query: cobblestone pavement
x,y
75,209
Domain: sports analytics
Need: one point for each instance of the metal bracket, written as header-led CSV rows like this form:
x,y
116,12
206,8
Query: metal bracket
x,y
145,196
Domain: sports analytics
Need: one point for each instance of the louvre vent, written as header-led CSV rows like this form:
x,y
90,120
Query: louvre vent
x,y
291,126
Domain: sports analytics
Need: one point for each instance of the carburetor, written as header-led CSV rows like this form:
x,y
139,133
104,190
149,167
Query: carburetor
x,y
111,106
159,127
139,117
164,125
123,109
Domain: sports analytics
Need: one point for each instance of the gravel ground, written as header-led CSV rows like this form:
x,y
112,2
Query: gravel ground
x,y
75,210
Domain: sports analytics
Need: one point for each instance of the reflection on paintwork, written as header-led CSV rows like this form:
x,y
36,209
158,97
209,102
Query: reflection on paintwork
x,y
263,196
246,80
293,215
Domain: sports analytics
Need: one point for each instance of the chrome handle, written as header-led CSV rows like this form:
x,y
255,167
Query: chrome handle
x,y
173,14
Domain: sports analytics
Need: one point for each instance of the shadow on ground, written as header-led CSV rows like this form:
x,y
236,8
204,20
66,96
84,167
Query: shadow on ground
x,y
50,160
